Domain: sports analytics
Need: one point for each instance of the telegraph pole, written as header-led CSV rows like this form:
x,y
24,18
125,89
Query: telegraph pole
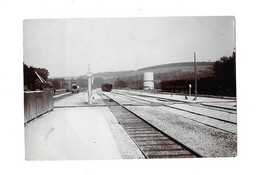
x,y
195,76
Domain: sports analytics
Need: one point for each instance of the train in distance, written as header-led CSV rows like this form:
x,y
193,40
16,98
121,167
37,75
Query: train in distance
x,y
106,87
74,88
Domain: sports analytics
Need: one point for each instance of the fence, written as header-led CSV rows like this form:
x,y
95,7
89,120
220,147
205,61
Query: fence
x,y
37,103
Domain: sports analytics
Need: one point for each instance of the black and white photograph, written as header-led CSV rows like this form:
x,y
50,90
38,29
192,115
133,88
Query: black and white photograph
x,y
130,88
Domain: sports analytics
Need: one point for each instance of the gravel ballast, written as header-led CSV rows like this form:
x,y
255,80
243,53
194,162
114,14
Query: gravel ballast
x,y
203,139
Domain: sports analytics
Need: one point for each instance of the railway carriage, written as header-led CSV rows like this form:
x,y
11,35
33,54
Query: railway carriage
x,y
106,87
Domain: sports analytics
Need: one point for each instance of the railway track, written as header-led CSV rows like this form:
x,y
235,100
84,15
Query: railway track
x,y
135,98
152,142
204,118
163,99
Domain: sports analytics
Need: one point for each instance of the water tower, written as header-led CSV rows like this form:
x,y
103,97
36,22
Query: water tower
x,y
148,80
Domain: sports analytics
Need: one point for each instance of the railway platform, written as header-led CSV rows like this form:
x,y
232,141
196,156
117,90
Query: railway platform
x,y
74,130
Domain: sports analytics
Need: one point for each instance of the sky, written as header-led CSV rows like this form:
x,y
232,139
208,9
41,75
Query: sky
x,y
65,47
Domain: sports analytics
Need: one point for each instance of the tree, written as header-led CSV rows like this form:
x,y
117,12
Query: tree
x,y
120,83
44,73
98,82
225,74
30,78
56,83
226,66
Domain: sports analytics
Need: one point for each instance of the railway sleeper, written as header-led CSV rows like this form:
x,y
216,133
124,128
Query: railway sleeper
x,y
161,147
128,125
137,126
125,120
167,152
171,156
164,142
161,138
122,115
138,129
131,125
130,120
142,132
146,135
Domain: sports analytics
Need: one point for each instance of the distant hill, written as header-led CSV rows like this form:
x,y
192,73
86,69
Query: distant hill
x,y
107,75
184,67
66,78
164,68
183,64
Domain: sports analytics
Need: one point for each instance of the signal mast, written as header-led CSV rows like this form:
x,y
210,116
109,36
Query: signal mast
x,y
90,81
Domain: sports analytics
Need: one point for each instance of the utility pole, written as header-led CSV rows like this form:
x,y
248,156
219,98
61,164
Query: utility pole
x,y
89,76
195,76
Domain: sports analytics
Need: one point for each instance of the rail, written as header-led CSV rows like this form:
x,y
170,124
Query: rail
x,y
151,141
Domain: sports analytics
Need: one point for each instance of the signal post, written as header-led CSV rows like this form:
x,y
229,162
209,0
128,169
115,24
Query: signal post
x,y
90,78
